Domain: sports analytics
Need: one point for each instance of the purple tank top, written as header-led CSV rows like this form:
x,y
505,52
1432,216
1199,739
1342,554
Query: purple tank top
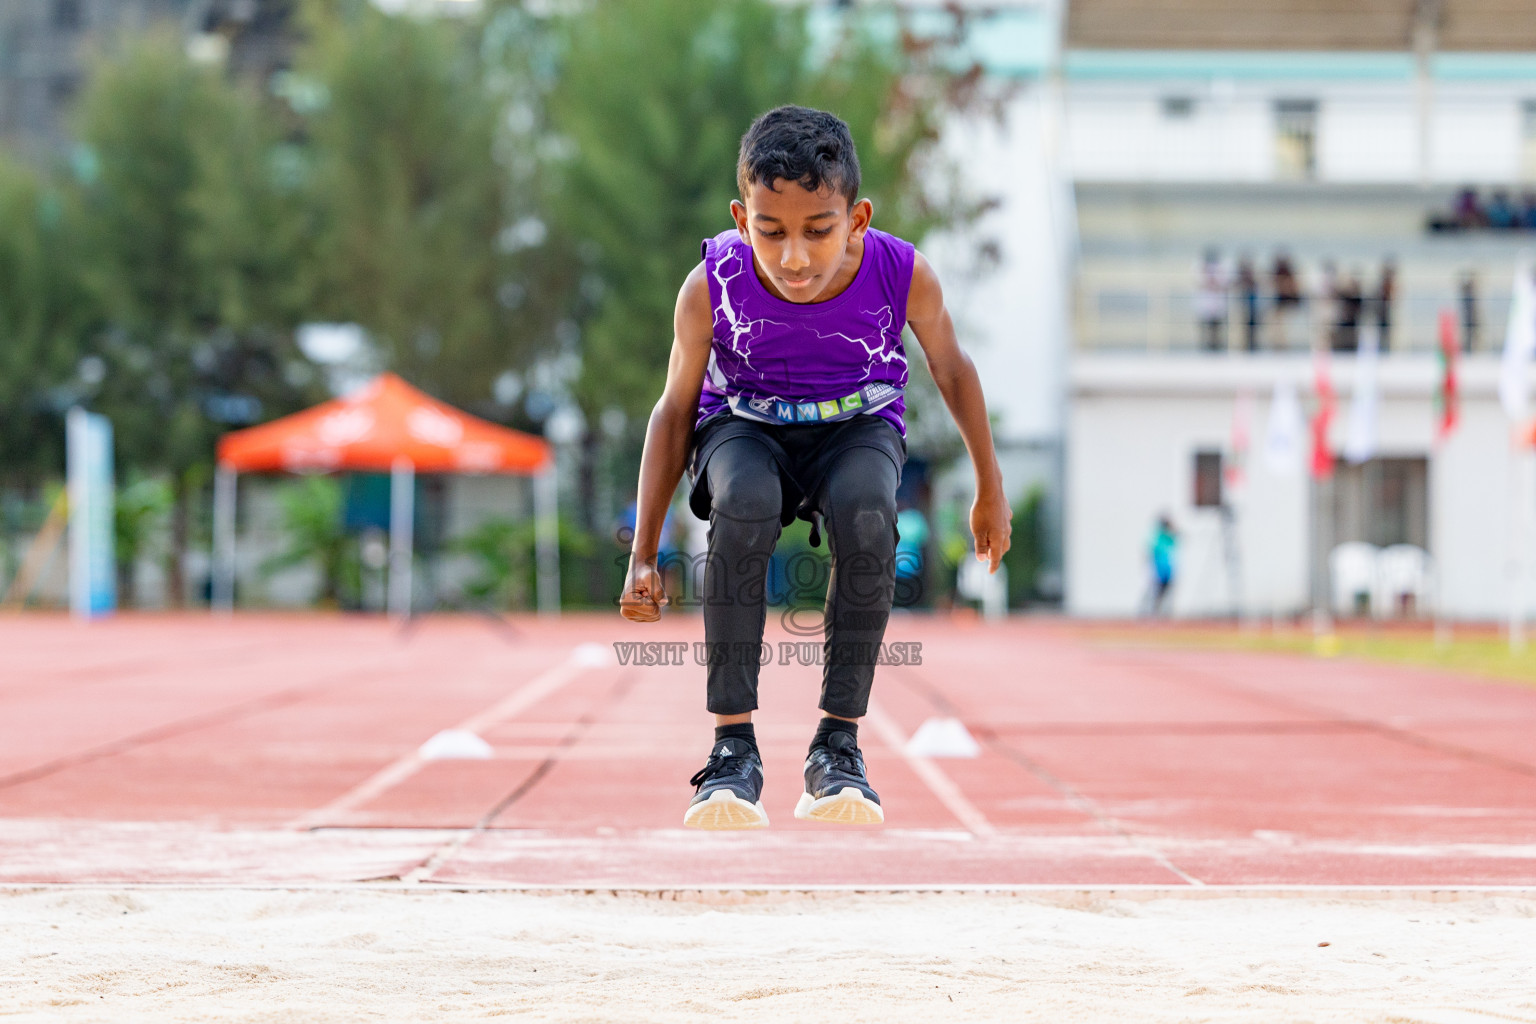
x,y
784,362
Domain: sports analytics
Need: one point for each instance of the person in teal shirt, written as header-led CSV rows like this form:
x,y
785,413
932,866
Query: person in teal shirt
x,y
913,527
1163,552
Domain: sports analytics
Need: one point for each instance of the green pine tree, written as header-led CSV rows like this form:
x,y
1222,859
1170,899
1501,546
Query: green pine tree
x,y
192,251
409,195
45,316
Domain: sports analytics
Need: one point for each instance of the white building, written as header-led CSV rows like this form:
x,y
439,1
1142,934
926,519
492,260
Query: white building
x,y
1198,125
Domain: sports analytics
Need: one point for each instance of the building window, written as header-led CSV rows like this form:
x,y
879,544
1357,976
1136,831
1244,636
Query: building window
x,y
1384,501
1207,479
1295,139
1528,140
1178,108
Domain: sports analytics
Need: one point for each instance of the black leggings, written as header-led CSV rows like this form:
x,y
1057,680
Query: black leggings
x,y
857,501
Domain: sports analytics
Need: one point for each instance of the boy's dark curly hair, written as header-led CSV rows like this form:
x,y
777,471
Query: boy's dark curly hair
x,y
799,144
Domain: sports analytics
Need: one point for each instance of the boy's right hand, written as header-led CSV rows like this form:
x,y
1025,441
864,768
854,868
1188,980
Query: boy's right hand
x,y
644,595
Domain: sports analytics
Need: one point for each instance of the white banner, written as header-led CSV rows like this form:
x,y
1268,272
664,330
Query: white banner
x,y
1283,437
92,564
1519,341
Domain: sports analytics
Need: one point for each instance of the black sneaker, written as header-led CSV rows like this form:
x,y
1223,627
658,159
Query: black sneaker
x,y
730,789
835,787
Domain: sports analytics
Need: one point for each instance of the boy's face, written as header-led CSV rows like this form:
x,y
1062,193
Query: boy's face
x,y
806,244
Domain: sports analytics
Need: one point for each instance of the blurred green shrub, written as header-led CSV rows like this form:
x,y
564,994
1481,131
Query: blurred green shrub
x,y
504,555
1026,555
314,534
139,518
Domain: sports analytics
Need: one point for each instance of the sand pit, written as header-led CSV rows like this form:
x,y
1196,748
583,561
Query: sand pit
x,y
368,954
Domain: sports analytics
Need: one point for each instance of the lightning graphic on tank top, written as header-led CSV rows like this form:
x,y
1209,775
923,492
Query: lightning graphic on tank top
x,y
877,351
743,331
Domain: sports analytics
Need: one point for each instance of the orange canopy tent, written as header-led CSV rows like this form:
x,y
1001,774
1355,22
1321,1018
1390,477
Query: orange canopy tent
x,y
386,426
373,427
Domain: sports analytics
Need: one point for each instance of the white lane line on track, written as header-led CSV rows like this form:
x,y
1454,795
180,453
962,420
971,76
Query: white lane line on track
x,y
393,774
932,775
1073,797
1145,844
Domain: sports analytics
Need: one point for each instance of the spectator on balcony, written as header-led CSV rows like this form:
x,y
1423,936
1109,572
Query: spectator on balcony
x,y
1349,300
1468,290
1211,302
1287,295
1500,214
1248,292
1386,291
1325,311
1469,213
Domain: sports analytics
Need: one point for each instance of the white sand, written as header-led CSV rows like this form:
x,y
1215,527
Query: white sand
x,y
367,954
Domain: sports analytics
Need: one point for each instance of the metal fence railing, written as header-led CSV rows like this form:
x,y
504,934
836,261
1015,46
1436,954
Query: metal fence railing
x,y
1134,318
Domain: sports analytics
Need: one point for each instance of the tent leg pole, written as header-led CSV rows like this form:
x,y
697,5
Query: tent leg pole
x,y
402,514
547,539
224,540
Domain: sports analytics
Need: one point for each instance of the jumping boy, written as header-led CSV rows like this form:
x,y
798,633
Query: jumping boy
x,y
783,399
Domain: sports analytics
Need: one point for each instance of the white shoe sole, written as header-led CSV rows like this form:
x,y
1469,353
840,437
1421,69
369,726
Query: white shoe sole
x,y
845,807
725,810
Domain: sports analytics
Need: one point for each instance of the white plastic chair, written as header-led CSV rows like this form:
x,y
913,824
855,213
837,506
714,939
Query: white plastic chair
x,y
1352,570
1404,574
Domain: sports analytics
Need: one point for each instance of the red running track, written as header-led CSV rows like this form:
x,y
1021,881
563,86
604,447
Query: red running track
x,y
269,750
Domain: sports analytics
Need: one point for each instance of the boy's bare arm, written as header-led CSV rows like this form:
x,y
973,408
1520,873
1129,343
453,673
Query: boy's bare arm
x,y
955,374
668,437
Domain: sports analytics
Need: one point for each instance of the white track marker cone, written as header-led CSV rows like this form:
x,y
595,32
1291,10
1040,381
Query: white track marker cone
x,y
942,737
455,745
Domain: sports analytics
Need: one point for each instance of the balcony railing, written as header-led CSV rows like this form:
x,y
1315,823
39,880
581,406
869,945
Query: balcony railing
x,y
1111,318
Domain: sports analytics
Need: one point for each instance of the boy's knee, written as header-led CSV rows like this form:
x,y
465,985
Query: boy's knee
x,y
744,484
867,511
875,528
747,498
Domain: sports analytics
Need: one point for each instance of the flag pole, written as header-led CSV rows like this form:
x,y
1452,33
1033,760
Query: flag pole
x,y
1517,570
1514,388
1449,412
1282,457
1235,483
1323,637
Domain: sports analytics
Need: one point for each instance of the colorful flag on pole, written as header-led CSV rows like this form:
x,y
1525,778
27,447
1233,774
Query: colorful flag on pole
x,y
1519,341
1322,456
1447,400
